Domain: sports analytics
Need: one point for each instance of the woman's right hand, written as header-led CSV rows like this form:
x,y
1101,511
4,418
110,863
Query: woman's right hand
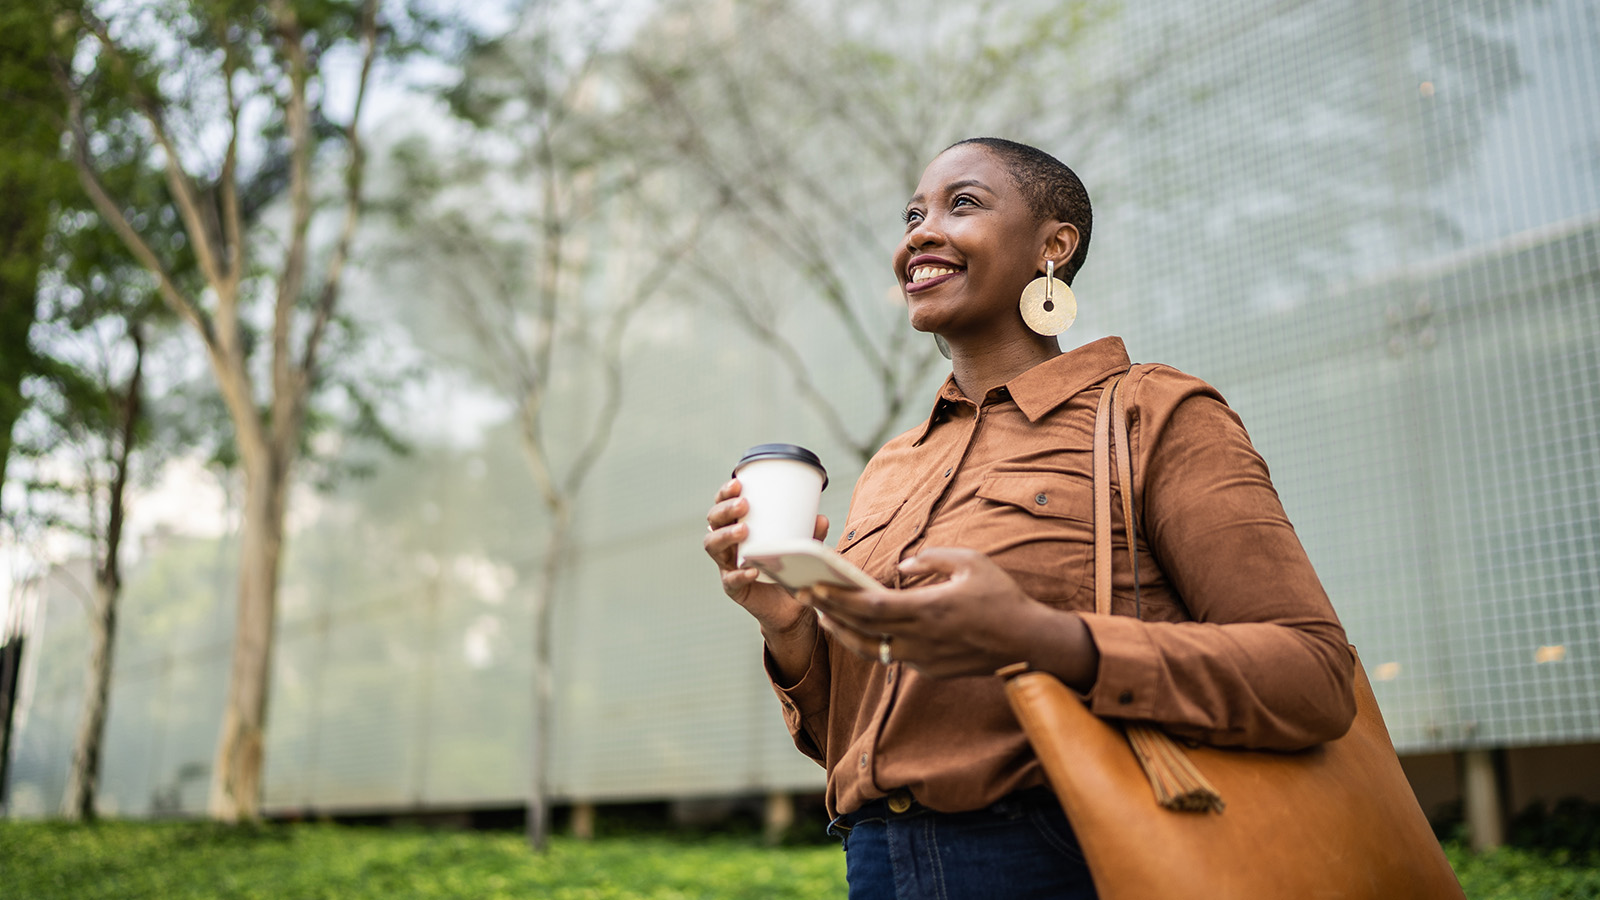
x,y
778,612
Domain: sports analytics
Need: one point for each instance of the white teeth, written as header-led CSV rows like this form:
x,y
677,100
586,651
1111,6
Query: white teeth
x,y
925,273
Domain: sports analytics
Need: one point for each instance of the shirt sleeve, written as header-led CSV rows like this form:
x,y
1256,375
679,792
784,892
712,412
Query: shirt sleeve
x,y
805,703
1265,662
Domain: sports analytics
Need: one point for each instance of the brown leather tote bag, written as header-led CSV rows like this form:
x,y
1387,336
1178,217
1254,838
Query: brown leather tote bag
x,y
1337,821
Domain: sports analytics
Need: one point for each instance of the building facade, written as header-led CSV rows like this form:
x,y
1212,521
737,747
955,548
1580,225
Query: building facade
x,y
1375,227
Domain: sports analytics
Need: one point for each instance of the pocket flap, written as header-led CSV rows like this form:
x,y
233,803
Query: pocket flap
x,y
860,525
1052,495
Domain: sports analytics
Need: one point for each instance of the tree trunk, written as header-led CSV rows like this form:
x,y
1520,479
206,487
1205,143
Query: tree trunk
x,y
16,359
236,769
555,561
83,780
11,647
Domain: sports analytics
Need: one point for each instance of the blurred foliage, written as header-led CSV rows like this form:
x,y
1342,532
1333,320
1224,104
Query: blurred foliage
x,y
209,83
813,122
99,316
1516,873
188,862
1571,826
33,178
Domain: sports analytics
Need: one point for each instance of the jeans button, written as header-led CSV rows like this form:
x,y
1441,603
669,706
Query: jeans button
x,y
899,800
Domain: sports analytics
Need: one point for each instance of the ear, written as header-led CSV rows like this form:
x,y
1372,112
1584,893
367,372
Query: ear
x,y
1059,242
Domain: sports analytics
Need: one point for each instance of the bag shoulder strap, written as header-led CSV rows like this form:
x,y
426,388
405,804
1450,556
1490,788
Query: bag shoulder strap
x,y
1102,499
1177,784
1111,419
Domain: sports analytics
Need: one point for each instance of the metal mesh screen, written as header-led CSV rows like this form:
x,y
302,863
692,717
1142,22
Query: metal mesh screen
x,y
1374,226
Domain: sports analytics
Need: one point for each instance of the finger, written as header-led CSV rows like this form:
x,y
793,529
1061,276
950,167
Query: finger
x,y
820,532
722,543
866,644
951,561
868,611
727,512
860,643
728,490
736,580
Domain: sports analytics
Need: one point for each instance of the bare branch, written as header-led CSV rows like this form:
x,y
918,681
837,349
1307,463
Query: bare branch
x,y
649,286
538,460
200,226
291,279
113,215
773,338
228,365
548,280
354,175
232,218
801,247
131,411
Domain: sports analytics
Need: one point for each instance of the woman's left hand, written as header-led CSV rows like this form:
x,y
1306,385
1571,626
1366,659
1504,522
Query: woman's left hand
x,y
974,622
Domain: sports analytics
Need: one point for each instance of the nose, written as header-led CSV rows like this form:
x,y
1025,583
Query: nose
x,y
922,234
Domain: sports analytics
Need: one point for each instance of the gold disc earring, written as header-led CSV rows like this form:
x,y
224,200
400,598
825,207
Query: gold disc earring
x,y
1048,305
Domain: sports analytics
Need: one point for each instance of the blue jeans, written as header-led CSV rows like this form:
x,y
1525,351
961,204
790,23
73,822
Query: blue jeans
x,y
1020,847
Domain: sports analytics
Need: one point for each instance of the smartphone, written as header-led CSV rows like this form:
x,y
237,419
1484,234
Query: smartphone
x,y
807,563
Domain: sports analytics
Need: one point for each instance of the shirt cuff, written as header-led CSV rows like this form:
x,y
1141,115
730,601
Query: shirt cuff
x,y
808,696
1126,684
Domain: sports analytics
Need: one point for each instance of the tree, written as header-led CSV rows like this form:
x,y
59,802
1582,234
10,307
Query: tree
x,y
33,180
519,229
89,415
106,424
815,122
103,312
239,101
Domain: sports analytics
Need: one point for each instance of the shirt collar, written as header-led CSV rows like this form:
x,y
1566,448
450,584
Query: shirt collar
x,y
1047,385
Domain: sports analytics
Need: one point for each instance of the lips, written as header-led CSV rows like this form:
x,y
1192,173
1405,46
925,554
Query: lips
x,y
925,272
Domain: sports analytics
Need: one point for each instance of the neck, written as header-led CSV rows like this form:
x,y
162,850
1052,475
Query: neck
x,y
981,366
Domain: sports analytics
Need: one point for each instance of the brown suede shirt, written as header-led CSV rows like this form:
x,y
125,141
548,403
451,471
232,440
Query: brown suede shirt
x,y
1236,645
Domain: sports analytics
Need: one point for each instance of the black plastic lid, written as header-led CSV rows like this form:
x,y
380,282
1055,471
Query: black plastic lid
x,y
783,451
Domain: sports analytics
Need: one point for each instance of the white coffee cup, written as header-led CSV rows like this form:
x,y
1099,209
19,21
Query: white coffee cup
x,y
783,484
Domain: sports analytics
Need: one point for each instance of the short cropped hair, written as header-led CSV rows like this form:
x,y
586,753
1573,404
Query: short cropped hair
x,y
1052,190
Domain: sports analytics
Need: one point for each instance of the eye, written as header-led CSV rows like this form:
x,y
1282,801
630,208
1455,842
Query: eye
x,y
911,216
963,200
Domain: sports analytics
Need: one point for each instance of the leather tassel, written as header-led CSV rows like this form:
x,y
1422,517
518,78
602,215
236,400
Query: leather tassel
x,y
1178,785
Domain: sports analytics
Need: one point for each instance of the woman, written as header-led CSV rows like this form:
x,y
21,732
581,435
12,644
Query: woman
x,y
978,523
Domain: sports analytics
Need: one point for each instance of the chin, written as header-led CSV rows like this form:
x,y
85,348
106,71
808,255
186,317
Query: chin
x,y
923,318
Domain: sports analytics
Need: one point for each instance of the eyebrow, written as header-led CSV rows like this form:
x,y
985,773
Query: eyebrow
x,y
954,186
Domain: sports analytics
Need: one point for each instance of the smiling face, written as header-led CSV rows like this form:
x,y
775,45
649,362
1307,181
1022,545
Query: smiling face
x,y
971,244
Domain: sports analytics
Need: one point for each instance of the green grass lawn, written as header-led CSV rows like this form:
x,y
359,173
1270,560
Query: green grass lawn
x,y
188,861
124,861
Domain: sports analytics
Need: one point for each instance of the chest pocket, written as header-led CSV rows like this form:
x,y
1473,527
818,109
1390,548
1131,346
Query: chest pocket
x,y
1038,526
862,534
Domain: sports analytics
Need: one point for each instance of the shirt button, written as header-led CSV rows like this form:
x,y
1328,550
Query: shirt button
x,y
900,800
947,472
1040,498
1125,697
851,536
863,760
